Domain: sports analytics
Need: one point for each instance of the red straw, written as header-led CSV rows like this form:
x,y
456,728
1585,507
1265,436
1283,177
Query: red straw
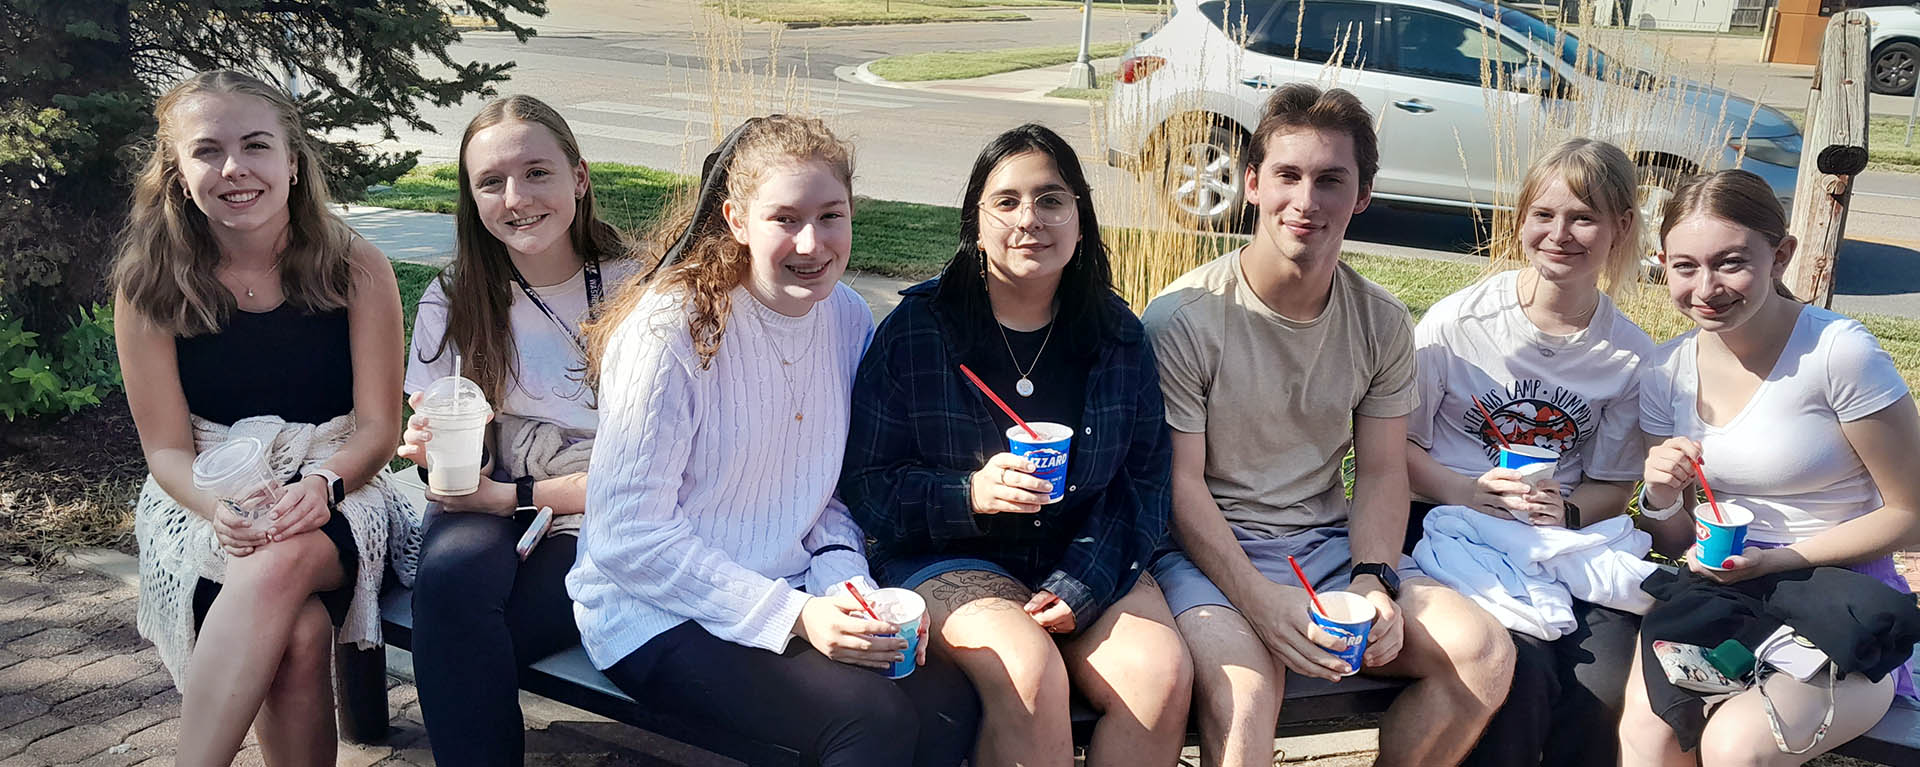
x,y
1302,574
997,401
1490,424
863,602
1701,474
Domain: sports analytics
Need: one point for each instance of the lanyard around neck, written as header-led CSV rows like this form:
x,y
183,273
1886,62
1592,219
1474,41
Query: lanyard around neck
x,y
591,271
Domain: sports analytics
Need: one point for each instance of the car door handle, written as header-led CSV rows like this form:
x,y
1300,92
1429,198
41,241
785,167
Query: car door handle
x,y
1413,105
1258,81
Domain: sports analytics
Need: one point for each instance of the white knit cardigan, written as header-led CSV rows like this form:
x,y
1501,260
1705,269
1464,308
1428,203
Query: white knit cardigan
x,y
178,547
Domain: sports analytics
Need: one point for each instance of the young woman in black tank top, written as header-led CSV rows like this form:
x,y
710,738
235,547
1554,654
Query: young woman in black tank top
x,y
238,296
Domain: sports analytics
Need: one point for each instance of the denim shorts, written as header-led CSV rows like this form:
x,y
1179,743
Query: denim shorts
x,y
1322,552
910,572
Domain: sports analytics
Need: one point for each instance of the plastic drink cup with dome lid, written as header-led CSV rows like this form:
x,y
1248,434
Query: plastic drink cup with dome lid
x,y
235,472
1048,453
457,414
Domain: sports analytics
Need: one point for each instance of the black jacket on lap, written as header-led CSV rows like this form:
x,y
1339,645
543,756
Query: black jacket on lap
x,y
1861,624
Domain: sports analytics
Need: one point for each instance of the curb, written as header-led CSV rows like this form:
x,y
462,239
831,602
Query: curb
x,y
864,74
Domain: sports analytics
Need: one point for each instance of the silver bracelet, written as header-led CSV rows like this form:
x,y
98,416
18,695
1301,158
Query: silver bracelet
x,y
1649,511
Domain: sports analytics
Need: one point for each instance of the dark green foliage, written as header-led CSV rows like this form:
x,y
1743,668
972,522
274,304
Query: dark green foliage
x,y
38,379
78,79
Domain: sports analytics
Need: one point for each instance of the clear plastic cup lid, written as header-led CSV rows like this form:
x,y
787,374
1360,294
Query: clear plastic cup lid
x,y
227,460
454,395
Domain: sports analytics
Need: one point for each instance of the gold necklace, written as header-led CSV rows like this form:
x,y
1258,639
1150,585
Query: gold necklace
x,y
786,365
1025,385
275,269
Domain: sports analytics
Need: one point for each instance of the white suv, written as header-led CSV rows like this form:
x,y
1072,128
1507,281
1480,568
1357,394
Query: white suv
x,y
1418,65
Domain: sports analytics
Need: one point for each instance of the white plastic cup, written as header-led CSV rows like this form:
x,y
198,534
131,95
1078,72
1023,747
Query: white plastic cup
x,y
1349,616
235,472
1717,538
457,414
1048,453
903,608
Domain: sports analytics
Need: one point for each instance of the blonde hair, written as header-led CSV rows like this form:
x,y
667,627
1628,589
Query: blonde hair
x,y
1602,177
168,257
479,284
713,263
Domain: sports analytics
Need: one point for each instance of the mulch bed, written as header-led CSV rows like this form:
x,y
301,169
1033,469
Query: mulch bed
x,y
69,482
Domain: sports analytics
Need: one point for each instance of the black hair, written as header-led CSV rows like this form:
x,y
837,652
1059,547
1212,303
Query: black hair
x,y
1086,285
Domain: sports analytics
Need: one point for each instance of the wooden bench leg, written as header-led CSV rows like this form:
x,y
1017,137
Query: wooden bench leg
x,y
360,693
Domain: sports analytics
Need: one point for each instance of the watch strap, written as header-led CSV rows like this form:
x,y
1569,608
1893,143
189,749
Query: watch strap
x,y
523,493
336,487
1379,570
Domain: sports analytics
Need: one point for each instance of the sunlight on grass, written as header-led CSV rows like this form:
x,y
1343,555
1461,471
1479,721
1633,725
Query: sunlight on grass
x,y
955,65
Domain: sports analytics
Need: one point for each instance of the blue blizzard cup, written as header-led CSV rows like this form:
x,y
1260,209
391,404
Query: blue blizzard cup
x,y
903,608
1351,619
1714,539
1533,463
1048,453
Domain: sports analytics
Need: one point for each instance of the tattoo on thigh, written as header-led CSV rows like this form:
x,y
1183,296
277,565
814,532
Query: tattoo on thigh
x,y
970,591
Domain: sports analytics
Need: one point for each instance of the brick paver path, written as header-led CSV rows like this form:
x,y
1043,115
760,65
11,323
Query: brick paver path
x,y
79,686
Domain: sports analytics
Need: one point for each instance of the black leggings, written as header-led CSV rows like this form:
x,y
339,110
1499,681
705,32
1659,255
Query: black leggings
x,y
834,714
479,616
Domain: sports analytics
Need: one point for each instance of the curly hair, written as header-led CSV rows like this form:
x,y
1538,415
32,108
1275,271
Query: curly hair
x,y
711,262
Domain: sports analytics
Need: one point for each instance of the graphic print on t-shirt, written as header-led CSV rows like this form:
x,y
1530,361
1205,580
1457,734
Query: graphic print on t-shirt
x,y
1530,413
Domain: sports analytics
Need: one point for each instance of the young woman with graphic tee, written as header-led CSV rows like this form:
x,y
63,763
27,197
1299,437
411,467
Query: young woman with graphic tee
x,y
1029,598
1554,364
532,257
1799,416
715,541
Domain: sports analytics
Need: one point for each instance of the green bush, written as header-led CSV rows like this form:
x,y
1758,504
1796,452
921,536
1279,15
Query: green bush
x,y
73,373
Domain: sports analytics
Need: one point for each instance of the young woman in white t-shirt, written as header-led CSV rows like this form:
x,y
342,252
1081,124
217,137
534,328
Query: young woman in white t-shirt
x,y
1554,364
532,257
1797,415
710,571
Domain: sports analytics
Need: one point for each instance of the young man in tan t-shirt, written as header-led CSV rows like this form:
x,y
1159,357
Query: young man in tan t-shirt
x,y
1274,360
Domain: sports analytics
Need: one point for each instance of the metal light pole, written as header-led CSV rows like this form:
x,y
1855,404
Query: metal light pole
x,y
1080,75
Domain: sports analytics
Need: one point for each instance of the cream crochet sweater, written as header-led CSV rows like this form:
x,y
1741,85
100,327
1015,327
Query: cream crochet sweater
x,y
178,547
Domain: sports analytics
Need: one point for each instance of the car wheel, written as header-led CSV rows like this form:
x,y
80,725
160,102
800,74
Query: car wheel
x,y
1893,68
1201,179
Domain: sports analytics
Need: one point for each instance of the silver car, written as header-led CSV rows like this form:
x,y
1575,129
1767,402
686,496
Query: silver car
x,y
1190,93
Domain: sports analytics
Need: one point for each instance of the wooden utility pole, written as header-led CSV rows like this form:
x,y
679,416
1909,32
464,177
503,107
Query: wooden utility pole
x,y
1834,151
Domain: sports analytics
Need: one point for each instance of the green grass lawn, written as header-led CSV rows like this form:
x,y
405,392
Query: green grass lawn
x,y
912,241
1885,138
956,65
1102,83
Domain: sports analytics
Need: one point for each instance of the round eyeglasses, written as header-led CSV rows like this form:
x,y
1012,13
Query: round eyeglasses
x,y
1050,209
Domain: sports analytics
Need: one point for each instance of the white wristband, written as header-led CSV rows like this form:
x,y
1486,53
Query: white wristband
x,y
1648,510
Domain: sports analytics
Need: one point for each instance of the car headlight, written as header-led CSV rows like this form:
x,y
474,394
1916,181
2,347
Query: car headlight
x,y
1782,150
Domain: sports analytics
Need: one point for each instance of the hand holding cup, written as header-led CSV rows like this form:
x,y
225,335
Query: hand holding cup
x,y
1006,485
840,629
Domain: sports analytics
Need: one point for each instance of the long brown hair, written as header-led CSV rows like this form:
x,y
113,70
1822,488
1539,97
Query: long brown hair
x,y
479,283
711,262
1736,197
168,258
1602,177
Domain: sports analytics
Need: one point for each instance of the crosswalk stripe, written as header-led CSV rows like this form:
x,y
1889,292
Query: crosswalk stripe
x,y
639,135
663,113
824,100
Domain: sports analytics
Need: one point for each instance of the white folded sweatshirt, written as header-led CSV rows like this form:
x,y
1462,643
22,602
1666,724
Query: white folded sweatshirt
x,y
1528,576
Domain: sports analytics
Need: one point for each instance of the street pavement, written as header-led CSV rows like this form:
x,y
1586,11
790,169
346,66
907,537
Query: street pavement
x,y
633,79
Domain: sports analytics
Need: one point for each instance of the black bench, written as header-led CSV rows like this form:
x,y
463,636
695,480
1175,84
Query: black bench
x,y
1312,705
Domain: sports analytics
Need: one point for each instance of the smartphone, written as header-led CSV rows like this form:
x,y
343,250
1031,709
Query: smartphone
x,y
1792,653
1687,668
535,531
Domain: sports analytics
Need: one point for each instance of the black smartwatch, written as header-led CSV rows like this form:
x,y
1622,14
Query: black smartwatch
x,y
1572,521
1388,578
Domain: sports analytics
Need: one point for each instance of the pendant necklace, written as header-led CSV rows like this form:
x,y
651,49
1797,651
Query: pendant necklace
x,y
1025,385
786,363
249,286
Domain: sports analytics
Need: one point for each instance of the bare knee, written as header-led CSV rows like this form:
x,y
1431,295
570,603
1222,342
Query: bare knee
x,y
1012,662
1232,669
309,650
1734,747
1153,672
290,568
1463,641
